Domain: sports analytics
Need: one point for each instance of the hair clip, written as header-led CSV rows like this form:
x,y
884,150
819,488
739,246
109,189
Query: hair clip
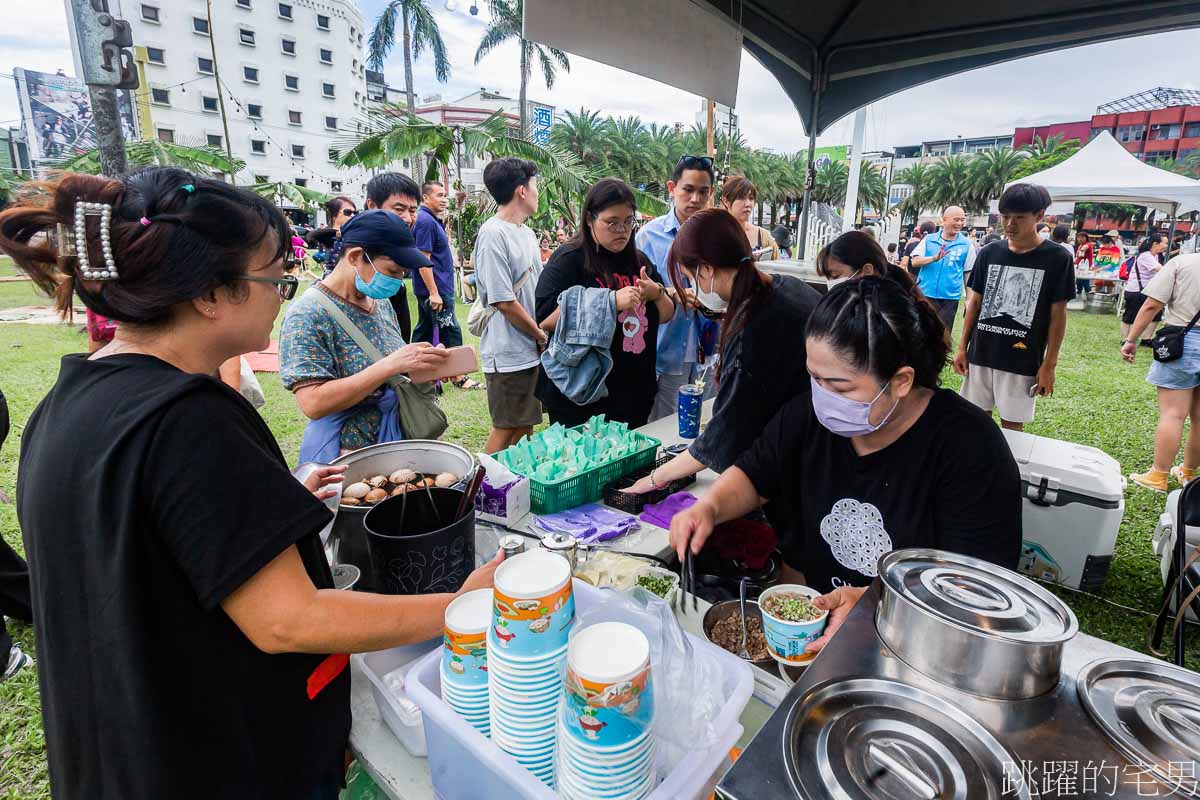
x,y
65,235
188,187
145,221
83,210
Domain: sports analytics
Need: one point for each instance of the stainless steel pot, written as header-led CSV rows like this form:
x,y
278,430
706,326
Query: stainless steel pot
x,y
972,625
347,542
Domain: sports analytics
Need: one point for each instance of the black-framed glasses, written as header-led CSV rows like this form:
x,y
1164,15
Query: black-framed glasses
x,y
286,286
349,212
696,162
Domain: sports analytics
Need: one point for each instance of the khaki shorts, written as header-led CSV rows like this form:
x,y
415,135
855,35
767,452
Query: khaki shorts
x,y
511,400
1006,392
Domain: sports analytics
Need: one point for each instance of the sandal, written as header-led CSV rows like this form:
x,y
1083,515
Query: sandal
x,y
467,383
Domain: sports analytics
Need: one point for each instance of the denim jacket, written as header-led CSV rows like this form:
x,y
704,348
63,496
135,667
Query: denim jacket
x,y
578,358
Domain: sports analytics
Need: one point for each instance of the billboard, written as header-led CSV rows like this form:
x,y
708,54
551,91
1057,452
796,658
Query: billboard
x,y
823,155
541,119
56,114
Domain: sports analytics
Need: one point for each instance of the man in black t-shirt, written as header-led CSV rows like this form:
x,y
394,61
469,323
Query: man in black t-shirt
x,y
1016,313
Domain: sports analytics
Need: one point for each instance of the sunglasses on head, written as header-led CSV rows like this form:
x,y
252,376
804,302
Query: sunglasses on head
x,y
696,162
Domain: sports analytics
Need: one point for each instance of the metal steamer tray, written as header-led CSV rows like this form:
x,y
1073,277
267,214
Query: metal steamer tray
x,y
863,724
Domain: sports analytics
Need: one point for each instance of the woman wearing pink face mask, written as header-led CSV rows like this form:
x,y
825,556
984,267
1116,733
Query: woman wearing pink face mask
x,y
878,458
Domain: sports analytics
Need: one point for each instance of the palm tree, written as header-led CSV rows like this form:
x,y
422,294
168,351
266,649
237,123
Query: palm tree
x,y
507,24
951,182
419,30
628,150
992,170
300,196
200,159
917,176
1049,146
830,185
872,190
583,134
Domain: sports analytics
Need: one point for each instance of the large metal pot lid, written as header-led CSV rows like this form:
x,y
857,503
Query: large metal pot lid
x,y
978,596
1150,711
873,739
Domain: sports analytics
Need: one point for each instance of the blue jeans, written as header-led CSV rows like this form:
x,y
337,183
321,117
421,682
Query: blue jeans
x,y
449,332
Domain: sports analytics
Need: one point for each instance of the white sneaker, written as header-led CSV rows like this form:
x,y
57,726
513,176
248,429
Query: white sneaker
x,y
17,660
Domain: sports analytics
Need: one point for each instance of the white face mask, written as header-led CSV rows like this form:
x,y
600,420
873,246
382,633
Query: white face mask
x,y
710,299
832,282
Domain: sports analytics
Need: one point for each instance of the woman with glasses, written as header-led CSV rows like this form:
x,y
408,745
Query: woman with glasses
x,y
738,196
342,390
762,345
190,642
603,255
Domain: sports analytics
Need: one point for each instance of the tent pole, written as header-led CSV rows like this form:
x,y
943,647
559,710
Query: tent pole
x,y
809,175
1171,229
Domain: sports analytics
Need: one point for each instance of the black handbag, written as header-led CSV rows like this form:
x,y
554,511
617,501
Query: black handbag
x,y
1167,344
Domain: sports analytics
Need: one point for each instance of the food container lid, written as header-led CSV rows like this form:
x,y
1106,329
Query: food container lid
x,y
1150,711
875,738
978,596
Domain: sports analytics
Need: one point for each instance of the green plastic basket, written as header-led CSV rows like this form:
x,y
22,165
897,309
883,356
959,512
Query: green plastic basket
x,y
588,486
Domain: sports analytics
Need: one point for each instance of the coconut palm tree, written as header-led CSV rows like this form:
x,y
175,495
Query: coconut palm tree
x,y
1049,146
419,31
507,24
300,196
582,134
200,159
872,190
992,170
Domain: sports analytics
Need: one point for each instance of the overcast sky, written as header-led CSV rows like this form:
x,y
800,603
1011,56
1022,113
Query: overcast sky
x,y
1062,86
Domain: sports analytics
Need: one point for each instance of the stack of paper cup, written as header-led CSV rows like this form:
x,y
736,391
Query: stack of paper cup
x,y
527,647
606,749
464,657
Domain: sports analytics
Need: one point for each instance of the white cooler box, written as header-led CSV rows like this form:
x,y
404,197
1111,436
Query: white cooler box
x,y
1074,498
1164,542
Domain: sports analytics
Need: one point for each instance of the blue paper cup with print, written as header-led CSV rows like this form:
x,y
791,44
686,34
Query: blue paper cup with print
x,y
534,605
787,638
691,397
464,639
609,702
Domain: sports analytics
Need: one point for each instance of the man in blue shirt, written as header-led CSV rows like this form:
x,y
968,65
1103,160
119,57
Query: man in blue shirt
x,y
942,258
434,286
690,187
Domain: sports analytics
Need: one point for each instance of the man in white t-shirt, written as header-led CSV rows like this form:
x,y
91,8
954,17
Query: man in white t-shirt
x,y
507,263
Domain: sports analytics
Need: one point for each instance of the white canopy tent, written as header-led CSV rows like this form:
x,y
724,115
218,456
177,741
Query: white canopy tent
x,y
1105,172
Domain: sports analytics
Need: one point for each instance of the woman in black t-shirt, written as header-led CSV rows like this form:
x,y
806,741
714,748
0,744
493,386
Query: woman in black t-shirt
x,y
762,345
603,255
878,458
190,642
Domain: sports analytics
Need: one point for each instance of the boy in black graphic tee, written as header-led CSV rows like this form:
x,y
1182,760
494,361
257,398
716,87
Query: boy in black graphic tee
x,y
1016,312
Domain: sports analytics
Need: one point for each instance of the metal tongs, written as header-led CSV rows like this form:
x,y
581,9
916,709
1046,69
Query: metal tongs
x,y
687,580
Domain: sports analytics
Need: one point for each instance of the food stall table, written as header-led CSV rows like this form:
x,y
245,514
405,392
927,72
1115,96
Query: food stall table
x,y
403,776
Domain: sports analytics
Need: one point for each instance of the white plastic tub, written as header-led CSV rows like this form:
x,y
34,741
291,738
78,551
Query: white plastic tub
x,y
403,722
465,765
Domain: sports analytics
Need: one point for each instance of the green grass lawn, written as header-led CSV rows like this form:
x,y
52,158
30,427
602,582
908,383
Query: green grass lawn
x,y
1100,401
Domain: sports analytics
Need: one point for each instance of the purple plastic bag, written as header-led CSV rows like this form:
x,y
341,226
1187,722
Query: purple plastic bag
x,y
589,523
660,514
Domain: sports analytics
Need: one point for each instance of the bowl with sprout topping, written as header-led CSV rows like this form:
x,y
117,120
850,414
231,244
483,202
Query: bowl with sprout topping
x,y
791,621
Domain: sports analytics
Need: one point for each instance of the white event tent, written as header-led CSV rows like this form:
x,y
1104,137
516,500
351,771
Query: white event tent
x,y
1105,172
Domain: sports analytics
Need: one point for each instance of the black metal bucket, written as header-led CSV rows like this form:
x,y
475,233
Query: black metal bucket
x,y
427,553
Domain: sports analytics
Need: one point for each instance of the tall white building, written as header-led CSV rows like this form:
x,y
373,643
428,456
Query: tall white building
x,y
293,74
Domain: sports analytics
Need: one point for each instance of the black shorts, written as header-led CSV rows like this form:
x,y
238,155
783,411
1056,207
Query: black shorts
x,y
1133,304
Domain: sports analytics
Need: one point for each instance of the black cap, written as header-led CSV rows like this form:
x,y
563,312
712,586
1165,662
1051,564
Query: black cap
x,y
379,231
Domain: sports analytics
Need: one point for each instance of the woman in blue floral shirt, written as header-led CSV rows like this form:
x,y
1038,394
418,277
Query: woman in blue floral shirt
x,y
338,387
